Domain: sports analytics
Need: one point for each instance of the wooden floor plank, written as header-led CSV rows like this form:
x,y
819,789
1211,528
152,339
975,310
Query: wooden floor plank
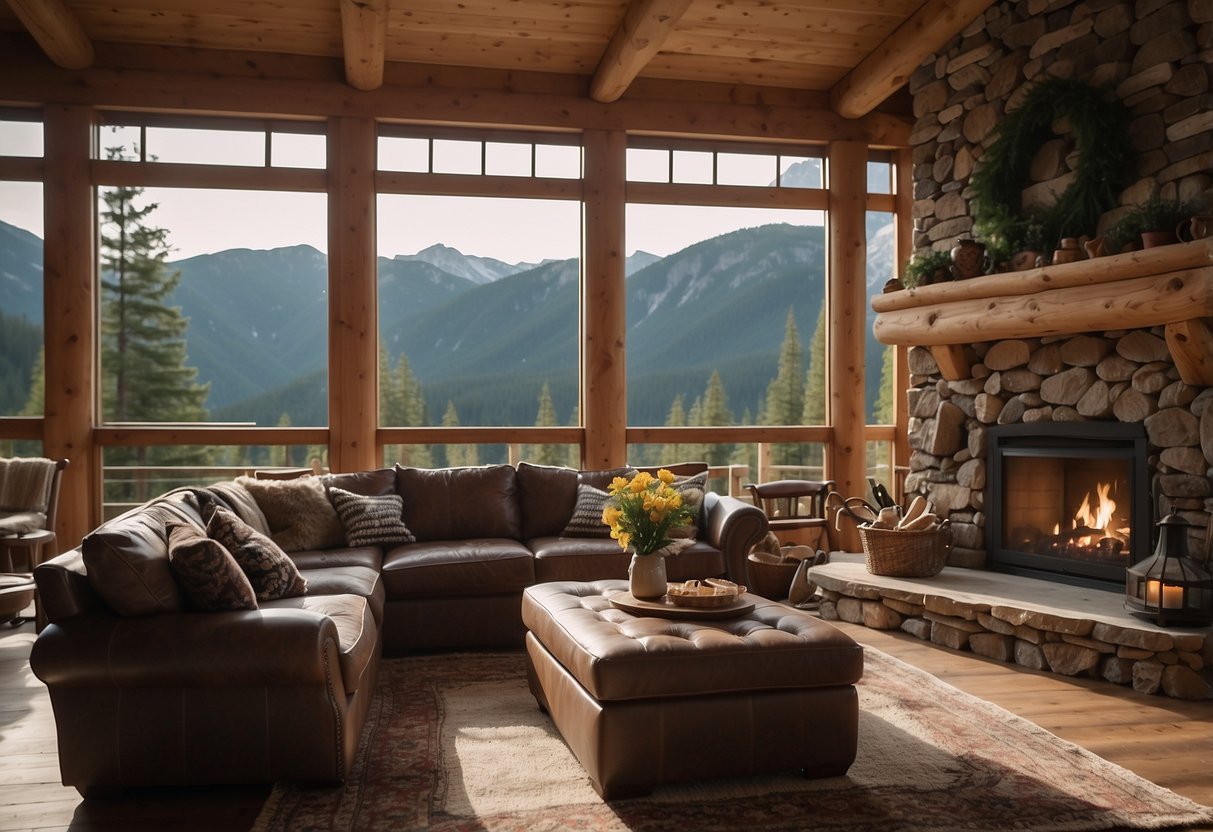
x,y
1167,741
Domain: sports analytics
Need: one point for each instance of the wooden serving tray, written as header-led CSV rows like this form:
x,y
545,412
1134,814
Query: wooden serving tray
x,y
663,607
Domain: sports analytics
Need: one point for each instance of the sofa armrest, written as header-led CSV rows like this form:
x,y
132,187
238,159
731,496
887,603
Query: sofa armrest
x,y
272,647
732,526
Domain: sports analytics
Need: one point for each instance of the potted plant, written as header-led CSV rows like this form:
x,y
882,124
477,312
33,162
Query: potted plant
x,y
925,269
1152,223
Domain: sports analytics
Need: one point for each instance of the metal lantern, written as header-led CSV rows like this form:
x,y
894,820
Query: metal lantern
x,y
1171,587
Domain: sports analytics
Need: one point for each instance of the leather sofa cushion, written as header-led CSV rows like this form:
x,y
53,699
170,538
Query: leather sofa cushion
x,y
127,562
357,633
480,566
458,503
617,656
546,495
594,559
367,483
348,580
368,556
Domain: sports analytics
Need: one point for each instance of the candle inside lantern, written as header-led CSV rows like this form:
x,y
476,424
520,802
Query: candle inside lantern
x,y
1152,588
1172,597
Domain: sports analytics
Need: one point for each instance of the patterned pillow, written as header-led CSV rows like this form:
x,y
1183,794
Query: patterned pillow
x,y
587,514
371,521
269,570
692,489
207,573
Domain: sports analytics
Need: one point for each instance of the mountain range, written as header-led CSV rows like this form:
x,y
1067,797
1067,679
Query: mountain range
x,y
484,334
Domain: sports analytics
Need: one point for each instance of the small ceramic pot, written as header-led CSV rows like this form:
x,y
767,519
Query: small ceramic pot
x,y
1026,259
1068,251
1150,239
1195,228
968,259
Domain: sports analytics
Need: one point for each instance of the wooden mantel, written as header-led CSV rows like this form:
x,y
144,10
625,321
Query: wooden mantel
x,y
1168,285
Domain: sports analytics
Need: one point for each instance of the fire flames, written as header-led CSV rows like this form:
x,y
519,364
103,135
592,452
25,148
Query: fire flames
x,y
1092,534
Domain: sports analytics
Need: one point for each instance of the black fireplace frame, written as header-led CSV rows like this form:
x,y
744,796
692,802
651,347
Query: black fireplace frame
x,y
1088,440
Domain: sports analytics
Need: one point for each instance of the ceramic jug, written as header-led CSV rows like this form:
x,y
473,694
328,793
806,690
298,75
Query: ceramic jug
x,y
1067,251
1194,228
968,259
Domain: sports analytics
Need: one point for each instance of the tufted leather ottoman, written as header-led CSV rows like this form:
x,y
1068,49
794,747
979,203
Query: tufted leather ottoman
x,y
643,701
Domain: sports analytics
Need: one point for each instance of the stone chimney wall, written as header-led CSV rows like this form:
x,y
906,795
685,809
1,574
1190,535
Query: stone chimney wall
x,y
1157,56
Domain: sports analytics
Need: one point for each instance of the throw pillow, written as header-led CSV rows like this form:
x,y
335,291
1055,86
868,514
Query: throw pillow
x,y
371,521
297,513
587,514
692,489
269,570
207,573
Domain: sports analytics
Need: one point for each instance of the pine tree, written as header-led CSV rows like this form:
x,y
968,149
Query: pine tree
x,y
784,403
814,412
884,413
402,404
144,374
36,405
677,418
716,412
458,454
546,453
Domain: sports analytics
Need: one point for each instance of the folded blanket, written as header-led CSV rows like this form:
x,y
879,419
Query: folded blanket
x,y
21,522
25,484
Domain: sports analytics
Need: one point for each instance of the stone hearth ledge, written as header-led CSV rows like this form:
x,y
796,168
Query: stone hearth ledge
x,y
1042,625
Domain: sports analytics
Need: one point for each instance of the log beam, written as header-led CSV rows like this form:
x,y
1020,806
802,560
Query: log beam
x,y
846,293
1140,302
889,65
57,30
353,314
1191,345
604,407
644,28
364,41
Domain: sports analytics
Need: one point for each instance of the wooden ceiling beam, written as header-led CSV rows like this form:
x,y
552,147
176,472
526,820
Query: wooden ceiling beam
x,y
56,30
364,41
644,28
888,66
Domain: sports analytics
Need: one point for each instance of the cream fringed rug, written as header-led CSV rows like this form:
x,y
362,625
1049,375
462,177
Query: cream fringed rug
x,y
456,742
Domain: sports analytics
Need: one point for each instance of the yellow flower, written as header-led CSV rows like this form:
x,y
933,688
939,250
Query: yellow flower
x,y
665,476
640,482
610,515
618,484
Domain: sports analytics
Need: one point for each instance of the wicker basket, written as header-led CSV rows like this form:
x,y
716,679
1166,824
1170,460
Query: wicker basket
x,y
770,580
905,554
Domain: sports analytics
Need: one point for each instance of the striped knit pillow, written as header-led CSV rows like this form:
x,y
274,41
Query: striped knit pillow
x,y
587,514
371,521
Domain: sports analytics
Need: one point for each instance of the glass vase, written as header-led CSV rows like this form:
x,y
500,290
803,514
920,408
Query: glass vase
x,y
646,577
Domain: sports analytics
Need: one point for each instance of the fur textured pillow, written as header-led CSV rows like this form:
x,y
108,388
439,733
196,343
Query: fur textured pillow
x,y
371,521
587,514
269,570
207,573
297,513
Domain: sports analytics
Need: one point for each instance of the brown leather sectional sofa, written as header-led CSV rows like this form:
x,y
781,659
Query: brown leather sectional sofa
x,y
147,691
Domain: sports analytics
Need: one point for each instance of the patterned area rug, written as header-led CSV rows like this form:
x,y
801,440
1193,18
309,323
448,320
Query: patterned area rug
x,y
456,742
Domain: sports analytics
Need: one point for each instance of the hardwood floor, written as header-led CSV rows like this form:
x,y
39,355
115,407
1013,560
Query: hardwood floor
x,y
1164,740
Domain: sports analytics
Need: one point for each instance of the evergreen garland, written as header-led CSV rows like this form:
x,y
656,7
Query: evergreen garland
x,y
1105,161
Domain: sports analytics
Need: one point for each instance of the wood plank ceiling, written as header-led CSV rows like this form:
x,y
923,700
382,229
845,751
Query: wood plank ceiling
x,y
858,52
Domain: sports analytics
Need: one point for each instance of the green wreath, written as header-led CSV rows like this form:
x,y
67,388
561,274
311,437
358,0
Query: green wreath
x,y
1103,170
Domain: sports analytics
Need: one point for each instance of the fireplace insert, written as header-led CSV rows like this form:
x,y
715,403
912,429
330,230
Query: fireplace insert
x,y
1068,501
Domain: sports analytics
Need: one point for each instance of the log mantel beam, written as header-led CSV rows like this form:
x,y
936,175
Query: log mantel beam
x,y
644,28
888,66
1170,286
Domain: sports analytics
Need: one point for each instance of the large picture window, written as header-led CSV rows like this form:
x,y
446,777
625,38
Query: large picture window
x,y
478,295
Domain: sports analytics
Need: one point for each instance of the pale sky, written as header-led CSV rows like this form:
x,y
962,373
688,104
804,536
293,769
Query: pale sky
x,y
513,230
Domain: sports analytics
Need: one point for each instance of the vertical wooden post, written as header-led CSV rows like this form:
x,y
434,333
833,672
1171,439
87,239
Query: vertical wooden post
x,y
603,302
847,298
904,200
353,315
69,301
